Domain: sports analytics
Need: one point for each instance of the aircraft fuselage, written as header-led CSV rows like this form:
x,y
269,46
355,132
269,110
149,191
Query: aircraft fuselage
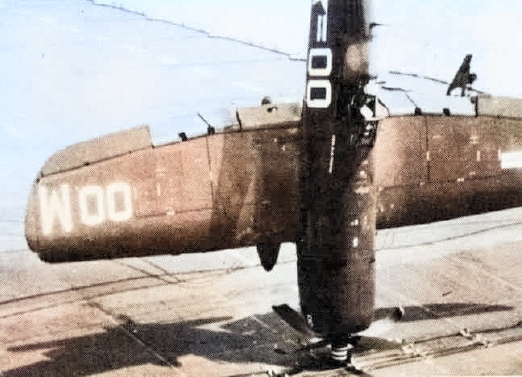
x,y
239,188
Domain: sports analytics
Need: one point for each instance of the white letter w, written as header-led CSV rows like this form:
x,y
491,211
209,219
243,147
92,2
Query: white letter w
x,y
55,206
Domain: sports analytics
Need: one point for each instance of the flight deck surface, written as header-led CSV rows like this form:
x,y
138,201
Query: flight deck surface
x,y
459,282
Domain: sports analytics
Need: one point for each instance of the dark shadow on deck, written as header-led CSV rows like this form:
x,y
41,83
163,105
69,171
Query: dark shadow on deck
x,y
251,339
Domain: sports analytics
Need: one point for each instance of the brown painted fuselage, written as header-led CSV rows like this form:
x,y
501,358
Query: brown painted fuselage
x,y
120,196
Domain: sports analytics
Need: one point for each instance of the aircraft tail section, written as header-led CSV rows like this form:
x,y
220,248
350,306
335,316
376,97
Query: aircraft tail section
x,y
335,250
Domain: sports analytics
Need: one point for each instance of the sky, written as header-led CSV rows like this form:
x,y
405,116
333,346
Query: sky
x,y
71,70
428,37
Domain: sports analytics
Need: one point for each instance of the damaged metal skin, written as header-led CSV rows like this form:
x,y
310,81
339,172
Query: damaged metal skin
x,y
321,176
240,188
335,252
209,193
